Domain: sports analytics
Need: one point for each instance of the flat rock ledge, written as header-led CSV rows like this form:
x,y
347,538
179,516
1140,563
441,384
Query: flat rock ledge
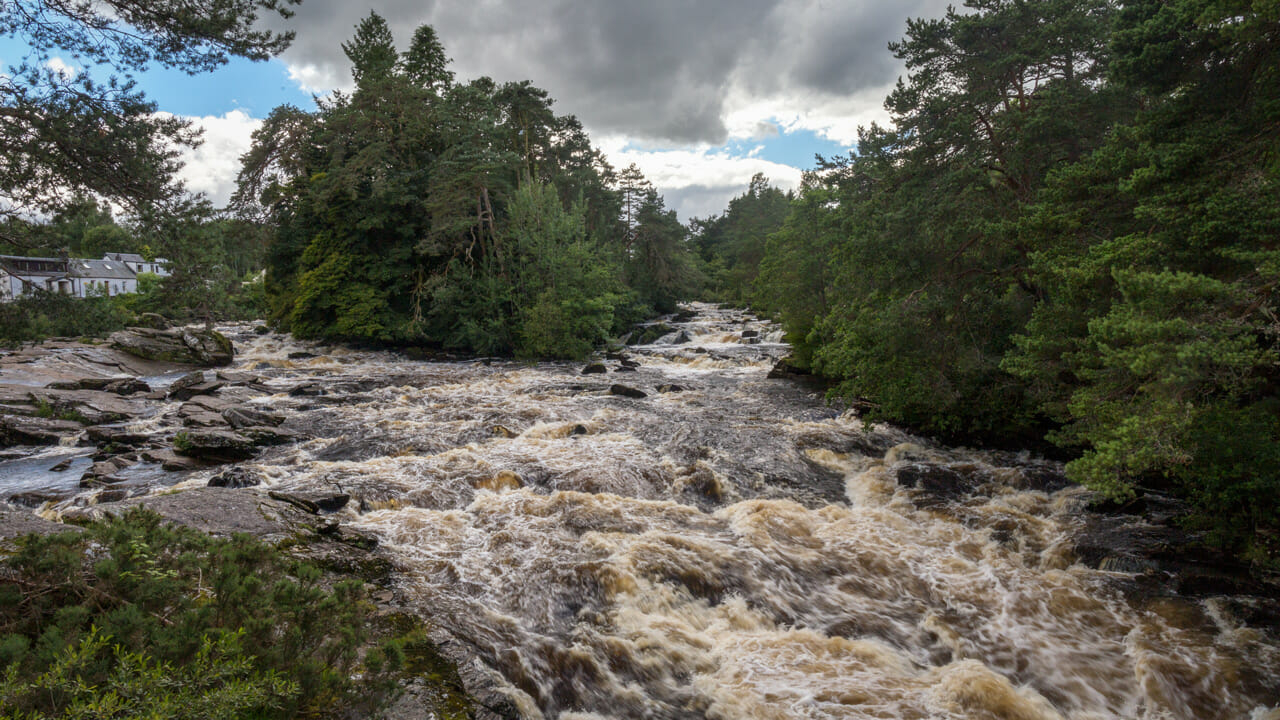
x,y
184,345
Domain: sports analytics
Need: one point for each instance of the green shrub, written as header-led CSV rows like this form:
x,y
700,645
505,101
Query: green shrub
x,y
137,618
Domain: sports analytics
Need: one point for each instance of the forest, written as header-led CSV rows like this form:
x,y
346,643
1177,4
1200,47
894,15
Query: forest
x,y
1068,232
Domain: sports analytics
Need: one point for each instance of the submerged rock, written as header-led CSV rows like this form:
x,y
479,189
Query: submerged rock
x,y
627,391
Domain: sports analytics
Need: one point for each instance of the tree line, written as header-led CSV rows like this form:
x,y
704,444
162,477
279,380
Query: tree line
x,y
1068,230
421,210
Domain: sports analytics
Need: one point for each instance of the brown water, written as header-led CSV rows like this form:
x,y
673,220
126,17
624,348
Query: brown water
x,y
735,550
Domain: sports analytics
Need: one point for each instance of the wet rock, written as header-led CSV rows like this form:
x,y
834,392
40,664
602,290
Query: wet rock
x,y
127,386
37,498
262,436
615,356
193,384
502,431
578,430
309,389
62,466
628,363
187,346
748,334
502,481
682,339
115,435
648,334
236,477
111,495
22,430
627,391
939,483
261,330
625,369
301,355
787,368
215,445
595,369
313,502
243,416
1043,479
109,466
171,461
670,388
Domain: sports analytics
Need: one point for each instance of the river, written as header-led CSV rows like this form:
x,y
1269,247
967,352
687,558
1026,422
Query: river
x,y
730,546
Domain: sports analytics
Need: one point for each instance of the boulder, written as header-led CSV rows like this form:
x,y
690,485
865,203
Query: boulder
x,y
261,330
189,346
938,484
236,477
670,388
104,472
170,461
682,339
127,386
215,445
595,369
628,363
301,355
748,334
625,369
627,391
786,368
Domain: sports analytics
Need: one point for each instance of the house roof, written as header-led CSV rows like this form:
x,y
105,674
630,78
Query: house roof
x,y
33,266
101,269
124,257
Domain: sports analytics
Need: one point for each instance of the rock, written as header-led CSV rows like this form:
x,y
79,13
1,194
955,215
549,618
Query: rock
x,y
188,391
504,480
938,483
37,498
153,321
786,368
243,416
301,355
682,339
170,461
614,356
502,431
127,386
22,430
748,334
62,466
626,391
595,369
625,369
115,435
215,445
261,330
16,523
313,502
647,334
628,363
104,472
187,346
670,388
112,495
308,389
262,436
577,430
236,477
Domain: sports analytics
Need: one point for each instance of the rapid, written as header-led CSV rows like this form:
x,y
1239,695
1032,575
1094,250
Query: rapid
x,y
731,546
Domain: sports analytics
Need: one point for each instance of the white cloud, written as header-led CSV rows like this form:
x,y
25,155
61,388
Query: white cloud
x,y
697,181
212,167
62,67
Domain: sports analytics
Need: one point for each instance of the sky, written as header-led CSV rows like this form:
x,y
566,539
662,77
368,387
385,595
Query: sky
x,y
699,94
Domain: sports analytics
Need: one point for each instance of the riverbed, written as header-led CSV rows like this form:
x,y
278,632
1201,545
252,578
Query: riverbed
x,y
682,536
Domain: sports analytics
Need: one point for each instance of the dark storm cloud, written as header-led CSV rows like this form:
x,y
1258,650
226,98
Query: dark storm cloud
x,y
659,70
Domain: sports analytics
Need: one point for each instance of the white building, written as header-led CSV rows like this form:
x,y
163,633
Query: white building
x,y
138,264
102,277
75,276
20,275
